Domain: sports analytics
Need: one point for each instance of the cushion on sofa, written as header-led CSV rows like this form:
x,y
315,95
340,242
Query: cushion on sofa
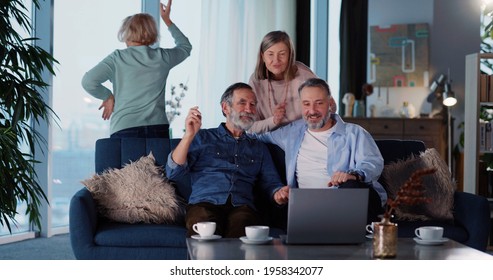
x,y
439,187
136,193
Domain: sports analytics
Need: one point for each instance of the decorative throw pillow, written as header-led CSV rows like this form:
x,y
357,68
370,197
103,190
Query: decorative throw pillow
x,y
138,192
438,186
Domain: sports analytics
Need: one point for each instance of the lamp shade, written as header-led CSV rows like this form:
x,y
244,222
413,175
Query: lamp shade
x,y
435,85
449,96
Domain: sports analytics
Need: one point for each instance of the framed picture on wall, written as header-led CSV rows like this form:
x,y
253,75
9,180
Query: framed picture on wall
x,y
399,55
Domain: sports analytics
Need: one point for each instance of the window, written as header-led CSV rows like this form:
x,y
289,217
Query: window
x,y
79,47
84,33
334,48
187,71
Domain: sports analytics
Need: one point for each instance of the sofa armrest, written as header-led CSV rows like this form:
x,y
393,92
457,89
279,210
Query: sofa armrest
x,y
473,212
83,216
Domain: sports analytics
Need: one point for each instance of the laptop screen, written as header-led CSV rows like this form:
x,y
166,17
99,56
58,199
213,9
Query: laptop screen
x,y
327,216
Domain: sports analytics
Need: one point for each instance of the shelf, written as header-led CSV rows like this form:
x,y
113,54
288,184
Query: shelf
x,y
472,111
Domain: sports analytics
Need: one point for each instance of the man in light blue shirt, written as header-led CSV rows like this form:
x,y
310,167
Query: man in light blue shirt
x,y
321,150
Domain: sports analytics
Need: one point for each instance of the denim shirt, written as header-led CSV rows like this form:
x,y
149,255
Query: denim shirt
x,y
220,166
351,148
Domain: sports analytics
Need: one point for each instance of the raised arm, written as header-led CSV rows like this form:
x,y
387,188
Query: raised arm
x,y
165,12
193,122
183,47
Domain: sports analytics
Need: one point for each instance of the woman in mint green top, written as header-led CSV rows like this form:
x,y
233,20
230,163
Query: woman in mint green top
x,y
138,75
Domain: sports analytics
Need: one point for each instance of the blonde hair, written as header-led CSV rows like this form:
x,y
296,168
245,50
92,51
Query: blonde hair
x,y
272,38
140,28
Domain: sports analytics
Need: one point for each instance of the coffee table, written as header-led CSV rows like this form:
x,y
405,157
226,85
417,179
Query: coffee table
x,y
407,249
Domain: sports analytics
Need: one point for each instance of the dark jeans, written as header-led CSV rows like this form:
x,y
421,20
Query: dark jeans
x,y
230,220
374,203
150,131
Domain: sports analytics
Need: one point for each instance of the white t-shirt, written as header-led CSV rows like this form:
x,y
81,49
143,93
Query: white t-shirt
x,y
311,165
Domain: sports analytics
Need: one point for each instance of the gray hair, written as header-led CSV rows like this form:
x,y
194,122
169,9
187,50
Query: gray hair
x,y
315,82
228,94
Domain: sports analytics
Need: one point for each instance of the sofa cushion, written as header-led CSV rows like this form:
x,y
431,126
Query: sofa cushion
x,y
138,192
438,186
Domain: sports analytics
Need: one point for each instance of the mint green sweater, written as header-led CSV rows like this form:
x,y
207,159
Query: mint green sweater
x,y
138,75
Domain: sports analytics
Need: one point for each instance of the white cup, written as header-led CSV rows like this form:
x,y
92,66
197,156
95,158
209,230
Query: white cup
x,y
204,229
257,232
429,233
369,228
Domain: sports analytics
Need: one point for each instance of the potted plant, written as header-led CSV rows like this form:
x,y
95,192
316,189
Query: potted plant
x,y
21,104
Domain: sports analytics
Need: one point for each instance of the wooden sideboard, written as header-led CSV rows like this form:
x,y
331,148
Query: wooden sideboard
x,y
432,131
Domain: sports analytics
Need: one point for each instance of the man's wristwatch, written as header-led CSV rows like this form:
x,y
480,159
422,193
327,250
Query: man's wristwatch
x,y
360,177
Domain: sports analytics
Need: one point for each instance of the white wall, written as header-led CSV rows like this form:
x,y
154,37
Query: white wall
x,y
454,33
388,12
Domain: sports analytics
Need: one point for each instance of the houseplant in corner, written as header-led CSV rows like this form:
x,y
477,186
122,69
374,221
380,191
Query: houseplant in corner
x,y
21,104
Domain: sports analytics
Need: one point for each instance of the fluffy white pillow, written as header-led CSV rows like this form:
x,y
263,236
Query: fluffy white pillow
x,y
136,193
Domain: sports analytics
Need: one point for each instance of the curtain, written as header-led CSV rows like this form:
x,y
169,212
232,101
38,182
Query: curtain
x,y
354,42
231,32
302,44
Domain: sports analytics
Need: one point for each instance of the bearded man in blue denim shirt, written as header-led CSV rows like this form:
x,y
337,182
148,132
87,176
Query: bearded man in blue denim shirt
x,y
224,165
321,150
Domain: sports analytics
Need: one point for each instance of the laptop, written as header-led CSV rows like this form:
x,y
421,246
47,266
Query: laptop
x,y
326,216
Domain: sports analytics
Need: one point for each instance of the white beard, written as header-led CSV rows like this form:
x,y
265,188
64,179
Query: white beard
x,y
239,123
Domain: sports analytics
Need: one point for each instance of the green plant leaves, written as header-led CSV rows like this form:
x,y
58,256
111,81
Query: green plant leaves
x,y
22,104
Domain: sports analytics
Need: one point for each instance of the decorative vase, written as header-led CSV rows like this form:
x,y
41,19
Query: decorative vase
x,y
407,110
384,239
359,108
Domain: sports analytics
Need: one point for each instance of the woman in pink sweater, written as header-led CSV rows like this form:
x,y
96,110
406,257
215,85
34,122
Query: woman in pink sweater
x,y
275,81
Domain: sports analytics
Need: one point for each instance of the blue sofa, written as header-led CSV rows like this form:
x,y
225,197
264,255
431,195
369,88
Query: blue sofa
x,y
93,237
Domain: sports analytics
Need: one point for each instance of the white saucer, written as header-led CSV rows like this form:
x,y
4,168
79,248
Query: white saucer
x,y
369,236
430,242
245,240
206,238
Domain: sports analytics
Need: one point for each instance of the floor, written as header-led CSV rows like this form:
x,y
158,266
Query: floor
x,y
53,248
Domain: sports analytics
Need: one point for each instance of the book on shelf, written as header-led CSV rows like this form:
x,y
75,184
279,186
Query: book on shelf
x,y
485,87
485,136
487,141
490,88
482,137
